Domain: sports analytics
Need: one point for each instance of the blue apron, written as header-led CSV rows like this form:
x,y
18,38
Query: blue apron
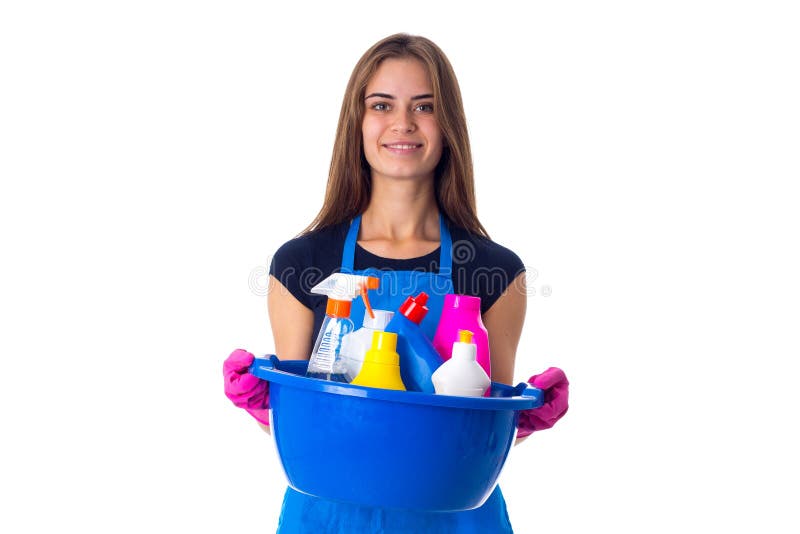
x,y
303,513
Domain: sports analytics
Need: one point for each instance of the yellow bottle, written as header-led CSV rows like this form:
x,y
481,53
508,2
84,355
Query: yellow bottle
x,y
381,368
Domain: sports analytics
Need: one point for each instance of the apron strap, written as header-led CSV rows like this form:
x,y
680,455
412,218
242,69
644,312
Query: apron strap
x,y
445,252
349,252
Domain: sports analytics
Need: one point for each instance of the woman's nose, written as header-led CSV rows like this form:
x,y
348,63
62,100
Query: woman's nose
x,y
404,122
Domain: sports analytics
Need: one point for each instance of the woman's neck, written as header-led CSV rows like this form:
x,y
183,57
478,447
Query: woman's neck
x,y
401,220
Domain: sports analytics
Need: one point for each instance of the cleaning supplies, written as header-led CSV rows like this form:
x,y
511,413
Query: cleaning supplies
x,y
418,357
381,368
356,344
341,289
462,312
461,375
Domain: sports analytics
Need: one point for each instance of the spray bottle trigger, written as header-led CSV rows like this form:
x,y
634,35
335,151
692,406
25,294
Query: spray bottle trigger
x,y
365,297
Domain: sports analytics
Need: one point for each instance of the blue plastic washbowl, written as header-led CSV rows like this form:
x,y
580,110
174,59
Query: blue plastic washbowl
x,y
392,449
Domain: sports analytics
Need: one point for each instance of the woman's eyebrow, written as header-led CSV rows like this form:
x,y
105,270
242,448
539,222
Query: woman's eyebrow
x,y
390,97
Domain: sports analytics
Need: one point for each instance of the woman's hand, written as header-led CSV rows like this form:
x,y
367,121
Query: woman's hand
x,y
243,389
555,385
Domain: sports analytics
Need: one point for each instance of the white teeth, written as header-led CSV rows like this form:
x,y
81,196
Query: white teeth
x,y
403,147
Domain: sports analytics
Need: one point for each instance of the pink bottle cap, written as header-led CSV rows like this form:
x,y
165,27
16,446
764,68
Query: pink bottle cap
x,y
462,301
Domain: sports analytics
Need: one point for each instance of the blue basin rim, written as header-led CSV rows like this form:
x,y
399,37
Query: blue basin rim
x,y
290,373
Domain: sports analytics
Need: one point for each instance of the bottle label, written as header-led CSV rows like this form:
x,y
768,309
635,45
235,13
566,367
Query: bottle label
x,y
326,355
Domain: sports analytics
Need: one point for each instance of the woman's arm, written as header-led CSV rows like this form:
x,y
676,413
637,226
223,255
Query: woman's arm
x,y
503,322
292,324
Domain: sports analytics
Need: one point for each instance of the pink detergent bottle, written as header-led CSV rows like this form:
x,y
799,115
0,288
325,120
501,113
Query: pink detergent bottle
x,y
462,312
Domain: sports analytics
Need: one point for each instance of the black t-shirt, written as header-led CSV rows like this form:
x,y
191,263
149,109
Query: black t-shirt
x,y
481,268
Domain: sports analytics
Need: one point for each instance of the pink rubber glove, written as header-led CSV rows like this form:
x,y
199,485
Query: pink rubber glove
x,y
555,385
243,389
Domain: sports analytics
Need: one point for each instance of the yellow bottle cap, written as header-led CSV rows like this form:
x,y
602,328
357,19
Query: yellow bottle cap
x,y
384,348
381,367
384,341
464,336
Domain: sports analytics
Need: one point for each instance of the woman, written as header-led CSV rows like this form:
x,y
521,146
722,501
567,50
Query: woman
x,y
400,203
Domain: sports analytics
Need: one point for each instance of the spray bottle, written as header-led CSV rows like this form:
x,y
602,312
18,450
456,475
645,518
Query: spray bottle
x,y
462,375
341,289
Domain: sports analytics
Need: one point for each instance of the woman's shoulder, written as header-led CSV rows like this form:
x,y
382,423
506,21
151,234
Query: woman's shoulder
x,y
482,267
311,256
302,262
318,243
481,252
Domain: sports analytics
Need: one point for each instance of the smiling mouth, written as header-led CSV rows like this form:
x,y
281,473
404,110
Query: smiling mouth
x,y
402,147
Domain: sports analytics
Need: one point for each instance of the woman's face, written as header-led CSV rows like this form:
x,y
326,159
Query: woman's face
x,y
402,139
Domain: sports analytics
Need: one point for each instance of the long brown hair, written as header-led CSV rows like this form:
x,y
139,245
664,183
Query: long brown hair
x,y
349,182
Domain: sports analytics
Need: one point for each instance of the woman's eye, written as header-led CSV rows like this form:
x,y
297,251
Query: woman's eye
x,y
380,106
425,108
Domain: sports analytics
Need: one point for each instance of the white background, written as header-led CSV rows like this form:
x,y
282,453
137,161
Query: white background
x,y
638,156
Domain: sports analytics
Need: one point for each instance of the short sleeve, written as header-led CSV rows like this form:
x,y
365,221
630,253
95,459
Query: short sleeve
x,y
305,261
497,274
483,268
290,266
